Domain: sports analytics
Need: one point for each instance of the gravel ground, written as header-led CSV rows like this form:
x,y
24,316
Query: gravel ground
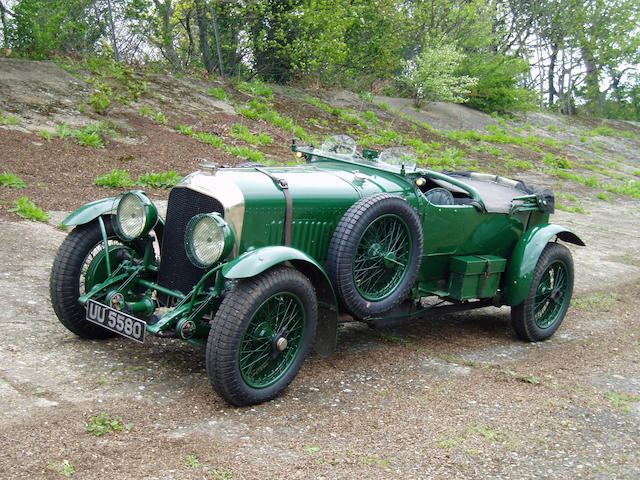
x,y
456,396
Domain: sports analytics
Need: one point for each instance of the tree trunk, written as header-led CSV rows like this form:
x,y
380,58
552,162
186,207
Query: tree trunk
x,y
217,34
203,25
167,46
551,77
112,30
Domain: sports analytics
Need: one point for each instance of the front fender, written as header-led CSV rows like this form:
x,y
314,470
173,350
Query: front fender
x,y
525,257
254,262
91,211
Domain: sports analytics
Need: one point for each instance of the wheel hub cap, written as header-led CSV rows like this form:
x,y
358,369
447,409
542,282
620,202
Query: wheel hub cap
x,y
281,344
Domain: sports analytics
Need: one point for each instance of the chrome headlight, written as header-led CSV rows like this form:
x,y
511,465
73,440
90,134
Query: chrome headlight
x,y
208,238
135,216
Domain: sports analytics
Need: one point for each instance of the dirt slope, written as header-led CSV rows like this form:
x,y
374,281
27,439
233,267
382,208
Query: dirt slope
x,y
451,397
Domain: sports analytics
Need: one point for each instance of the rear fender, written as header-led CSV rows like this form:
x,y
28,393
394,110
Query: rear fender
x,y
254,262
525,256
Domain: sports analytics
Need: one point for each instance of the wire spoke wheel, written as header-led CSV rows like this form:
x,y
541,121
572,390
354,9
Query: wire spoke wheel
x,y
542,312
551,295
375,253
260,335
382,257
272,340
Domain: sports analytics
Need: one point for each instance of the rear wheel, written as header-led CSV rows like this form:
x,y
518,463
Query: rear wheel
x,y
542,312
79,265
261,335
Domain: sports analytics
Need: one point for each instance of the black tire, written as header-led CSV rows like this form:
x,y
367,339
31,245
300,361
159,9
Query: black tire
x,y
247,331
544,309
68,278
354,253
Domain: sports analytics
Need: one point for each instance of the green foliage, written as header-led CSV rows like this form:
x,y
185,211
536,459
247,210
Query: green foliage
x,y
8,120
155,115
100,101
209,139
242,132
104,424
47,135
185,129
497,89
115,179
9,180
218,93
27,209
431,76
246,153
620,400
557,162
159,180
64,467
93,135
603,196
256,109
255,88
630,188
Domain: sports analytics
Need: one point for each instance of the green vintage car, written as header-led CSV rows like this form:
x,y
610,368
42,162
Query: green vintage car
x,y
257,264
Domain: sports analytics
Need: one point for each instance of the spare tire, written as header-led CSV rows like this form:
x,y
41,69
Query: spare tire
x,y
375,254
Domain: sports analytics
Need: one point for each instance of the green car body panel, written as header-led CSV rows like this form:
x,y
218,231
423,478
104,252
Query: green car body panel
x,y
91,211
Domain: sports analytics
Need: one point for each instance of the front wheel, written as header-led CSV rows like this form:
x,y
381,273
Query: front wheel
x,y
79,265
542,312
261,335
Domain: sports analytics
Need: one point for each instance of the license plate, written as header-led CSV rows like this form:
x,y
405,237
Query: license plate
x,y
116,321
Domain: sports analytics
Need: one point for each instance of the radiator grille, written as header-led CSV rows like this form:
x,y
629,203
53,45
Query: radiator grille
x,y
176,271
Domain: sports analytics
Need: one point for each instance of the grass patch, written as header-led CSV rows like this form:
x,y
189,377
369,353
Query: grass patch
x,y
246,153
27,209
155,115
9,180
256,109
209,139
603,196
620,400
63,468
8,120
242,132
93,135
159,180
218,93
115,179
598,302
630,188
104,424
255,88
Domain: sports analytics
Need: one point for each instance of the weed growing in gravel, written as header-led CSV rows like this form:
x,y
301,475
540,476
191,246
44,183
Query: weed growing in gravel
x,y
159,180
598,302
103,424
603,196
64,467
620,400
212,473
93,135
27,209
256,109
246,153
218,93
115,179
8,120
630,188
155,115
47,135
242,132
255,88
9,180
451,441
185,129
193,462
209,139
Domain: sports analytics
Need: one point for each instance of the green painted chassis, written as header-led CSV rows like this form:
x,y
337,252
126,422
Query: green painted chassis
x,y
520,237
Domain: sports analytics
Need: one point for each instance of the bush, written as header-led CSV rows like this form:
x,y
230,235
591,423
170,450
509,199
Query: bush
x,y
432,76
497,89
